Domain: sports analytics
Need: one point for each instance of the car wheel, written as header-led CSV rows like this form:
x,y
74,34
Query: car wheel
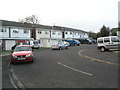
x,y
38,48
102,49
13,62
32,61
60,48
66,47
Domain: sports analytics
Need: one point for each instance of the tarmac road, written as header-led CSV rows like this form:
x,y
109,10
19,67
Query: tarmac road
x,y
68,69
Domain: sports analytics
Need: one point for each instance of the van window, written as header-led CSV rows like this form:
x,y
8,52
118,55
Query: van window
x,y
100,41
106,39
113,39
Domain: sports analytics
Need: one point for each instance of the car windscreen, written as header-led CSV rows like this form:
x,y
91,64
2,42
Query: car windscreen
x,y
35,42
22,48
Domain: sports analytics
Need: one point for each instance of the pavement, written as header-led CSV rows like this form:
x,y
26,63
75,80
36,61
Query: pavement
x,y
6,81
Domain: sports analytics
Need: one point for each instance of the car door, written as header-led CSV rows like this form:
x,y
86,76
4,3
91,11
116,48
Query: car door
x,y
107,42
115,43
63,45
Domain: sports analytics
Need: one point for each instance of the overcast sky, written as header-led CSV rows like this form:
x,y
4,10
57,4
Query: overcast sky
x,y
87,15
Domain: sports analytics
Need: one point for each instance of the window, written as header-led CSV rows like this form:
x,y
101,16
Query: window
x,y
15,31
59,33
39,32
70,32
106,39
100,41
53,33
113,39
26,31
46,32
3,30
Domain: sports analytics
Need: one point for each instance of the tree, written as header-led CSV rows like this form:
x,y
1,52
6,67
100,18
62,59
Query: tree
x,y
104,31
30,19
93,35
113,33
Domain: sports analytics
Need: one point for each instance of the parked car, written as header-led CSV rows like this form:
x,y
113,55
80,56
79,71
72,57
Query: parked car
x,y
85,41
73,42
77,42
119,37
22,53
107,43
59,46
93,41
66,43
34,44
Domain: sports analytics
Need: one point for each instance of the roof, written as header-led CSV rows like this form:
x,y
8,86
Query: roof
x,y
17,24
66,29
29,25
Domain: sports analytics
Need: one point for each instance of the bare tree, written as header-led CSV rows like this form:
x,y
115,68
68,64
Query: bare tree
x,y
30,19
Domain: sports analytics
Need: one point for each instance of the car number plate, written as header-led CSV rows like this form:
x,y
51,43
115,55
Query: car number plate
x,y
21,58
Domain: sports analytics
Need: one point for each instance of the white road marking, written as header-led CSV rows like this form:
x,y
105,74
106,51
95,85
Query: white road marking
x,y
96,60
74,69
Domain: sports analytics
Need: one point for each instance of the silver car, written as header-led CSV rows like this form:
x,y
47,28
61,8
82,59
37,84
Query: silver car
x,y
59,46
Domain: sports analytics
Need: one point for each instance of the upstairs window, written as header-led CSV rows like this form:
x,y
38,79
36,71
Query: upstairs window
x,y
26,31
46,32
59,33
70,32
3,30
15,31
53,33
39,32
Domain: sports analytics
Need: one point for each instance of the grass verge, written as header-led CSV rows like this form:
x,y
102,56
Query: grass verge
x,y
6,52
44,48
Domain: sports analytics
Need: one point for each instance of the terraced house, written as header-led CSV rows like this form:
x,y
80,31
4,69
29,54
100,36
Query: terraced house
x,y
13,32
49,35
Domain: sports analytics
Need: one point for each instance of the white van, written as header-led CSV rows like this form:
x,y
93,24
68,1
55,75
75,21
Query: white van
x,y
107,43
35,44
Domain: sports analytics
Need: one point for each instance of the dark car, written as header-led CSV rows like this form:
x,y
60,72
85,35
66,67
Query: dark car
x,y
85,41
94,41
73,42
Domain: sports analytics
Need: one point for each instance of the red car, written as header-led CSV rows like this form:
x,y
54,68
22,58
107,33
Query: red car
x,y
22,53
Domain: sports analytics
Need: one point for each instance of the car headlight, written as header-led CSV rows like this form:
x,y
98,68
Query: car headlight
x,y
29,55
14,56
